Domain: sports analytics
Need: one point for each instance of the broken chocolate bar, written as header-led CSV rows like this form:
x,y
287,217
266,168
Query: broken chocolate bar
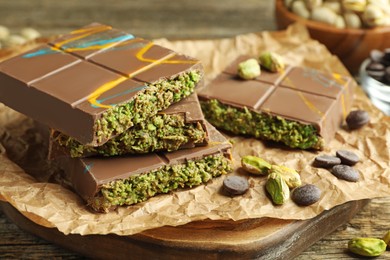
x,y
106,183
96,82
181,125
300,107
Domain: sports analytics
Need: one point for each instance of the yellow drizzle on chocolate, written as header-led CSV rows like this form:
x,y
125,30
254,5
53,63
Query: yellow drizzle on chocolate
x,y
344,84
307,102
92,98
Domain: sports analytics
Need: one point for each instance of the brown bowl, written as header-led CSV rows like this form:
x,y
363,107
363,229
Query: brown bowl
x,y
352,46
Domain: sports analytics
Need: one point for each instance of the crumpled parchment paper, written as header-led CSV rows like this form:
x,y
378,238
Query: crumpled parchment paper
x,y
52,205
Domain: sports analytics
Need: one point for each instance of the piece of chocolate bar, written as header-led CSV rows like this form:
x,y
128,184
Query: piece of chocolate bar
x,y
106,183
96,82
181,125
300,107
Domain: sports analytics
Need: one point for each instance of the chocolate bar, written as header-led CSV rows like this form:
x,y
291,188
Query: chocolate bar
x,y
300,107
96,82
106,183
181,125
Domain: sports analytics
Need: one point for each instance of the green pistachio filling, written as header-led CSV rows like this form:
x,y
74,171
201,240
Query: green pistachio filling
x,y
155,97
261,125
161,132
163,180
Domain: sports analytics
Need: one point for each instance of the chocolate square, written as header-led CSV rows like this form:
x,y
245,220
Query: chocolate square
x,y
132,57
36,63
237,92
89,40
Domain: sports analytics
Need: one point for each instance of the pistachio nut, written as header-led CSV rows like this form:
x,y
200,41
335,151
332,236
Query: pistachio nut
x,y
324,15
352,20
249,69
29,33
339,22
354,5
367,246
255,165
277,188
4,33
271,61
290,176
14,40
386,238
299,8
374,16
387,21
383,4
310,4
335,6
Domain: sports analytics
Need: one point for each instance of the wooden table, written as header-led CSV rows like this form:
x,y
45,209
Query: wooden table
x,y
173,20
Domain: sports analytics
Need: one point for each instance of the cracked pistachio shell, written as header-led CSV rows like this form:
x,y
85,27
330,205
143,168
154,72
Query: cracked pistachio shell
x,y
352,20
299,8
383,4
14,40
29,33
374,16
387,21
335,6
290,176
367,246
339,23
4,33
271,61
324,15
249,69
386,238
255,165
310,4
354,5
277,188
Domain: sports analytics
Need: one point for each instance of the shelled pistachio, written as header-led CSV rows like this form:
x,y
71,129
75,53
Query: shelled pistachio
x,y
367,246
249,69
277,188
255,165
271,61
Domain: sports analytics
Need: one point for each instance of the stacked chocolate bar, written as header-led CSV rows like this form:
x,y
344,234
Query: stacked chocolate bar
x,y
299,107
120,108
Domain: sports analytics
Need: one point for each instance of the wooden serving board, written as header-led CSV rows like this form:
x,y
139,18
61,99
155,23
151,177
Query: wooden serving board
x,y
263,238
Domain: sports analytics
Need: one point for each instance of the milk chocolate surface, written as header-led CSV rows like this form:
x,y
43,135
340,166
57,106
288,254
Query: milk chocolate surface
x,y
68,83
87,175
299,94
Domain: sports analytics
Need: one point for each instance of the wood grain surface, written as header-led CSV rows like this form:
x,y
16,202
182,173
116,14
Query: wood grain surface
x,y
147,18
173,20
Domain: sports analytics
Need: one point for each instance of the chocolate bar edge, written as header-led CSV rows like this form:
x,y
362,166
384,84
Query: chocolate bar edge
x,y
184,118
80,171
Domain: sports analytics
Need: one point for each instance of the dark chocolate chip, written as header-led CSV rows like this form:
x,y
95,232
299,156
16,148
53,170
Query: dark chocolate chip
x,y
376,70
378,75
357,119
375,66
387,74
347,157
386,55
345,172
326,161
235,185
306,195
376,55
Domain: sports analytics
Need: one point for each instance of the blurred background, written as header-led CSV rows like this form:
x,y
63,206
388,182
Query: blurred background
x,y
147,18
